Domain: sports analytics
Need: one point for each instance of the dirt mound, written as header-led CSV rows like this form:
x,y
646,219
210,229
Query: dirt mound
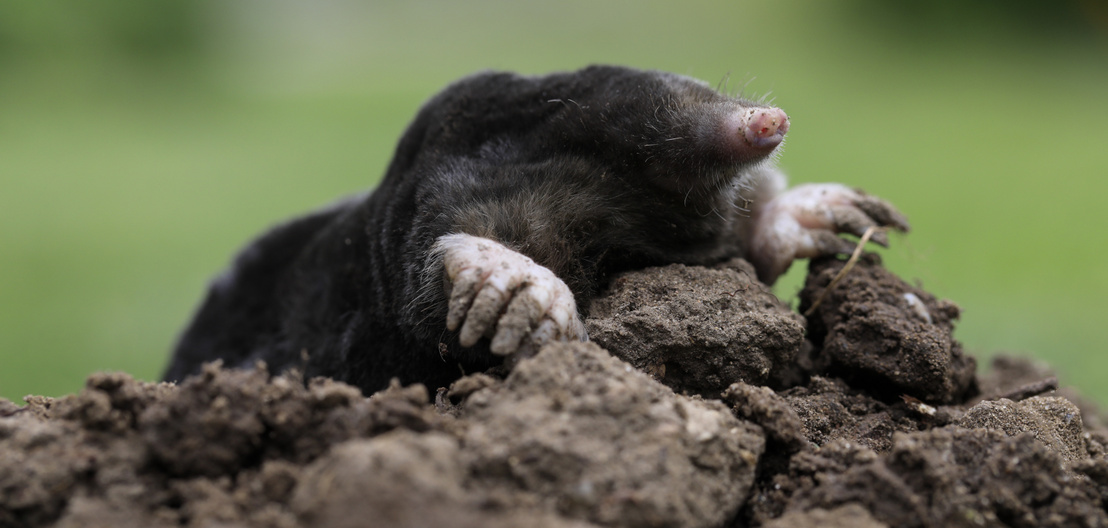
x,y
734,416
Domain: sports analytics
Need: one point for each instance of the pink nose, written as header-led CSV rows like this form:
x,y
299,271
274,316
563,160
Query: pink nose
x,y
765,127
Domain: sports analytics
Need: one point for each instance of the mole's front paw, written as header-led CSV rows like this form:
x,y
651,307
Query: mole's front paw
x,y
805,221
501,294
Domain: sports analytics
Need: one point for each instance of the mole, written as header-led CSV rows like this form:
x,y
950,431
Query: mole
x,y
509,202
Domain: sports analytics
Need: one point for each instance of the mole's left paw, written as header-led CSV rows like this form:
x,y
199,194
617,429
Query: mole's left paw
x,y
805,221
501,294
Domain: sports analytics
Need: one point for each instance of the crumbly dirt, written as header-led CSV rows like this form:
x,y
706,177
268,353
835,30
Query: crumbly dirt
x,y
878,332
697,329
710,404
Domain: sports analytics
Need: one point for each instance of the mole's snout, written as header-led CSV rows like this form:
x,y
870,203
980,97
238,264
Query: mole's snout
x,y
764,128
751,134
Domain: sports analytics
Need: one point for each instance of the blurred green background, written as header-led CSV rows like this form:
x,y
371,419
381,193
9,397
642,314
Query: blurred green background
x,y
142,143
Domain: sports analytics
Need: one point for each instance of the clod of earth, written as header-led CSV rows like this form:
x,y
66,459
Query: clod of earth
x,y
713,405
696,329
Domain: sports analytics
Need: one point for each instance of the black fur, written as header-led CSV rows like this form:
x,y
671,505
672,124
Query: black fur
x,y
588,173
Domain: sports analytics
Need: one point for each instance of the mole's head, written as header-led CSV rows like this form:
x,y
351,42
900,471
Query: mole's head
x,y
667,130
672,131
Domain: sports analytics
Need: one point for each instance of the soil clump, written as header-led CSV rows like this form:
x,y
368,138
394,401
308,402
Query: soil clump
x,y
702,401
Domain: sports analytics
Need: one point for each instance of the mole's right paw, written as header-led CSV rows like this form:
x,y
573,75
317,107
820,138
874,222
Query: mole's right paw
x,y
501,294
805,221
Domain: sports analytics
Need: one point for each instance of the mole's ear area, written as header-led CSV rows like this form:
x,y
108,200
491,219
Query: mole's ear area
x,y
751,133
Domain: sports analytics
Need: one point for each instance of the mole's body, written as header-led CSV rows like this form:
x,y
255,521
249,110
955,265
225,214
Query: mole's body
x,y
509,201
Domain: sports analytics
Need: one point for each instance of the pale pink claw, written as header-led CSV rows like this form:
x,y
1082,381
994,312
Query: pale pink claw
x,y
504,295
805,222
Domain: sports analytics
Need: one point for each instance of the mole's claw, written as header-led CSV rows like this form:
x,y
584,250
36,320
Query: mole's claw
x,y
481,318
804,222
461,296
524,312
880,238
845,218
882,212
504,295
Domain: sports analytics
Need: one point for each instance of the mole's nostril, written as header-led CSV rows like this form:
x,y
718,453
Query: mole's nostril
x,y
752,133
765,127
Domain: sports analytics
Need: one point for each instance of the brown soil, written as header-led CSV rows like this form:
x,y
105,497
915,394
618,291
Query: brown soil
x,y
714,407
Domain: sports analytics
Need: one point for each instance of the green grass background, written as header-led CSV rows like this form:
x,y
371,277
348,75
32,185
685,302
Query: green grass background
x,y
142,143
